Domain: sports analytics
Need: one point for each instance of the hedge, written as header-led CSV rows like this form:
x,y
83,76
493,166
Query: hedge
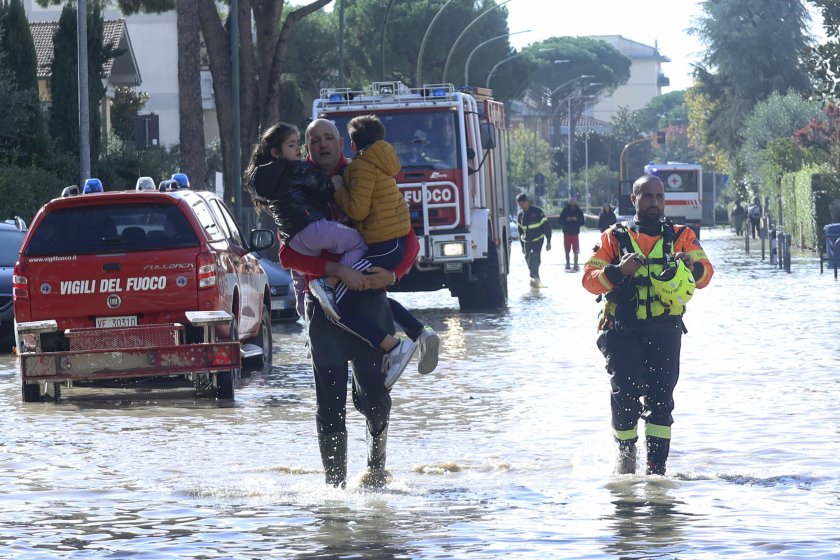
x,y
806,199
24,190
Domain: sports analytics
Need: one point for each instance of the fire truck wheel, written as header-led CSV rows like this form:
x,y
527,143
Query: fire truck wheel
x,y
264,341
490,289
31,392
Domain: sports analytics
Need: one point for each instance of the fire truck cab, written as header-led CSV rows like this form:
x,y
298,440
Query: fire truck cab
x,y
453,177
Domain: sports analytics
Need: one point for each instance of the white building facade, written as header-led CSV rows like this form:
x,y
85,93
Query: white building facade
x,y
155,41
646,78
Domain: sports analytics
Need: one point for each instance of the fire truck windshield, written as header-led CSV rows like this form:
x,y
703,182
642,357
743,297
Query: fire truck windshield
x,y
422,139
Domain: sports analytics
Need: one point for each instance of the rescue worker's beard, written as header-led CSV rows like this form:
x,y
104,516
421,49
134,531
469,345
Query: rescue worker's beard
x,y
650,216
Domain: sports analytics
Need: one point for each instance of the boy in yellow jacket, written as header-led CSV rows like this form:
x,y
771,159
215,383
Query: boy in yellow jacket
x,y
371,199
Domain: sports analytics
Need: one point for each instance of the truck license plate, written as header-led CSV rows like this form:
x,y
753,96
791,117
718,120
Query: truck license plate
x,y
277,304
115,322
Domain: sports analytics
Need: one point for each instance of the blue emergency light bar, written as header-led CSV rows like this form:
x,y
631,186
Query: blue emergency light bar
x,y
93,185
182,180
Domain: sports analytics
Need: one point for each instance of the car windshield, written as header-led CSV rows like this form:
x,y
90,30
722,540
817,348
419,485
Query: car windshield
x,y
111,229
10,241
422,139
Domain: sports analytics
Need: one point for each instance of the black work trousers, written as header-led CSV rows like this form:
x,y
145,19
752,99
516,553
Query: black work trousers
x,y
755,227
644,366
533,250
332,348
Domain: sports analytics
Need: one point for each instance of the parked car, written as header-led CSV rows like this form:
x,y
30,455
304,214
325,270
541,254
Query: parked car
x,y
283,305
12,233
137,284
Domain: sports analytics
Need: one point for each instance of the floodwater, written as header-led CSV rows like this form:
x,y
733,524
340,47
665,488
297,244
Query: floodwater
x,y
504,451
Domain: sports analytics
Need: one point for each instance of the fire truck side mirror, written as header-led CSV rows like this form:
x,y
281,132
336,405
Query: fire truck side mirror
x,y
488,135
470,153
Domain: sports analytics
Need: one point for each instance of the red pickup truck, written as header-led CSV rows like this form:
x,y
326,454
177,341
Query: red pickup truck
x,y
137,284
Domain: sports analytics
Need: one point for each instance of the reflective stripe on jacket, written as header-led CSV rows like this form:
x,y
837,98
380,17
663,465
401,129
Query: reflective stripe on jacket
x,y
533,225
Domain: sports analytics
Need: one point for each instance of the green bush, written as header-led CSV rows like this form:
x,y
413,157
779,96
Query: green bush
x,y
120,167
24,190
806,196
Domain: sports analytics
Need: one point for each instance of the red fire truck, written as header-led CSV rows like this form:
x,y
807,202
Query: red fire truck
x,y
454,178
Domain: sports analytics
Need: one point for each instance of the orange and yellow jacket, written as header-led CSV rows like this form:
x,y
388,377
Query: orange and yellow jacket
x,y
371,197
601,274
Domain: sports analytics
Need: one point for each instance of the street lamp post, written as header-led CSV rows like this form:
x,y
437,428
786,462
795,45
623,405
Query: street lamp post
x,y
461,35
539,110
536,125
569,134
341,43
418,75
495,66
586,162
384,36
472,52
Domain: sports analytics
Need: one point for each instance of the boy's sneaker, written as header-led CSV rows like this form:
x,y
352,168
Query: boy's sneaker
x,y
396,360
325,295
429,343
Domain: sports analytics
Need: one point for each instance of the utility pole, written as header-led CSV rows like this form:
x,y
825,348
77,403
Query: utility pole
x,y
84,93
341,43
236,188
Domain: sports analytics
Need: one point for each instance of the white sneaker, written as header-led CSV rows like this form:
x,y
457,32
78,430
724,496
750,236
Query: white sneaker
x,y
429,343
325,296
397,359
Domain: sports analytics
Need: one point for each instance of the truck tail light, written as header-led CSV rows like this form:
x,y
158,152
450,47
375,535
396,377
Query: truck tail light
x,y
205,265
20,283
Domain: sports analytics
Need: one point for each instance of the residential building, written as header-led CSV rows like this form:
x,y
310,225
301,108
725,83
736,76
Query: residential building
x,y
153,39
646,77
119,71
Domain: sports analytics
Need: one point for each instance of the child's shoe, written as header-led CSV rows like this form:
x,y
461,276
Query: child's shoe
x,y
396,359
325,295
429,343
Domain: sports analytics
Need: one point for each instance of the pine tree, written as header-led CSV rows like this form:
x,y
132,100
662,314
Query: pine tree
x,y
753,49
64,113
20,59
64,116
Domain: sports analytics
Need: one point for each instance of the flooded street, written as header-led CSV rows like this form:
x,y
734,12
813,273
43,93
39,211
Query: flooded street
x,y
505,451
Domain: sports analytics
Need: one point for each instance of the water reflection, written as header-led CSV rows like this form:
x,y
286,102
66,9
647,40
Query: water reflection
x,y
504,451
647,520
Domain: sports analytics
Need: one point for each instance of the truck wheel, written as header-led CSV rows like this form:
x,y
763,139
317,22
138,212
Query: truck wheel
x,y
264,341
490,289
224,385
31,392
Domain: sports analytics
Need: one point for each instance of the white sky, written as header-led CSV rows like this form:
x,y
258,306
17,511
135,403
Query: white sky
x,y
644,21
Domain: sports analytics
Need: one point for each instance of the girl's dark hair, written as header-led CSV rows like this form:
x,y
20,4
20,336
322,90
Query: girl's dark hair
x,y
273,137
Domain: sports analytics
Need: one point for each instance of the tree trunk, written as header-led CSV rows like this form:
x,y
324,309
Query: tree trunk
x,y
189,93
217,40
273,71
259,74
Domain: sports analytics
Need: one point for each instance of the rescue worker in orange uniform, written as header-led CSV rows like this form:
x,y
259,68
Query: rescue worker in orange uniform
x,y
645,271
